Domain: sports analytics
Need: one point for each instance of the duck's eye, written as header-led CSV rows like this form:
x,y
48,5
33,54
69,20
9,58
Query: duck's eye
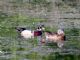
x,y
38,28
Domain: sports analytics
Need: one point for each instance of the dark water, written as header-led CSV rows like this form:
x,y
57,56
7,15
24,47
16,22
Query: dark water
x,y
21,49
13,47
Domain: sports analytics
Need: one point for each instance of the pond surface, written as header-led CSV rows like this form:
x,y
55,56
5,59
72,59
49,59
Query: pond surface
x,y
14,48
20,49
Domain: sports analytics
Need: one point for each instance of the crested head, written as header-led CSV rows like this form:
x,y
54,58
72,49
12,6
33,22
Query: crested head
x,y
60,31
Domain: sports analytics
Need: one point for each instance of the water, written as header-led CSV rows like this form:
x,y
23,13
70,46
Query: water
x,y
21,49
14,48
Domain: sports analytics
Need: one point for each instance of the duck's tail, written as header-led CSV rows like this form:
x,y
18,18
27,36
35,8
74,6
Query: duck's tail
x,y
20,29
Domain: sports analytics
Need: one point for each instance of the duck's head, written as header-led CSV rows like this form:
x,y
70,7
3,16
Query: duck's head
x,y
60,31
41,28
